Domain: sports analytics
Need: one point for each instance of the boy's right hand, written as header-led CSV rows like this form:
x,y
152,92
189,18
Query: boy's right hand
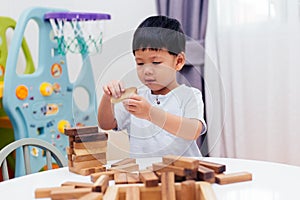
x,y
114,88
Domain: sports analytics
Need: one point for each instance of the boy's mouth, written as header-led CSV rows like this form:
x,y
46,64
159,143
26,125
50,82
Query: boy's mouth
x,y
149,81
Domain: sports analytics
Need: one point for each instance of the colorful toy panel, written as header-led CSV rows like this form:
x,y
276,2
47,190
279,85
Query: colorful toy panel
x,y
40,104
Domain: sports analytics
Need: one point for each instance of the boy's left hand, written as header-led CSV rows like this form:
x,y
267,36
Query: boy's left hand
x,y
138,106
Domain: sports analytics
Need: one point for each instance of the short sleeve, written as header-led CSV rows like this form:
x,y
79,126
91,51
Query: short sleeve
x,y
194,107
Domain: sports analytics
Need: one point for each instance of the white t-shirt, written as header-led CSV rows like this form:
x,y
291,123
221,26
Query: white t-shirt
x,y
149,140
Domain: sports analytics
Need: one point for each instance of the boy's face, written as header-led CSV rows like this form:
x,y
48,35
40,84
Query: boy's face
x,y
157,69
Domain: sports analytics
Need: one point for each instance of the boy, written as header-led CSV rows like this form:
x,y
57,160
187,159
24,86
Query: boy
x,y
163,117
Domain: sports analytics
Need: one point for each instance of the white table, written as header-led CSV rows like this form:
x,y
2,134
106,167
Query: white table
x,y
271,181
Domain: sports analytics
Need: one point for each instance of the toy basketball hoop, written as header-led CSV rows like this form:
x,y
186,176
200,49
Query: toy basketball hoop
x,y
77,32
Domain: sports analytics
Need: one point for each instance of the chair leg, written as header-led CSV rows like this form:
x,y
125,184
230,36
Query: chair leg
x,y
26,159
5,170
49,159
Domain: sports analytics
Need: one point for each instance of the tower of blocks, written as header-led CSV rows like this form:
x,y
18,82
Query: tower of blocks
x,y
174,178
87,150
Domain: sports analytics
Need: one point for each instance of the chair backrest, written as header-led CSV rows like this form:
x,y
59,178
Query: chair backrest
x,y
50,151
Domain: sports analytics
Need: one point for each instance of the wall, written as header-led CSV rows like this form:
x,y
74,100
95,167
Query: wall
x,y
115,61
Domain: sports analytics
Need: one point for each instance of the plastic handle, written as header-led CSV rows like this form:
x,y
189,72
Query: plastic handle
x,y
36,14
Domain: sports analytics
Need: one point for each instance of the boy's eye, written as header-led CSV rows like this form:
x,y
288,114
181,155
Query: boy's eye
x,y
156,63
140,64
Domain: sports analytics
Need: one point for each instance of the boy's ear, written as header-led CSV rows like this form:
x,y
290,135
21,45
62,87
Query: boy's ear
x,y
180,61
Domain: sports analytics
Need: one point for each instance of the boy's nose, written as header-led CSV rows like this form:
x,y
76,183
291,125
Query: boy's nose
x,y
148,70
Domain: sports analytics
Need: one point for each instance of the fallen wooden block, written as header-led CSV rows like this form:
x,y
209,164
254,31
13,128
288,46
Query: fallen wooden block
x,y
95,176
124,162
120,178
101,184
233,177
133,193
130,167
133,177
188,190
205,173
46,192
69,194
205,191
81,130
218,168
150,193
75,184
185,162
161,167
112,193
167,186
92,196
149,178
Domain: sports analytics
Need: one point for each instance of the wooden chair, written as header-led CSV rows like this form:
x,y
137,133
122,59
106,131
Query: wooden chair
x,y
24,143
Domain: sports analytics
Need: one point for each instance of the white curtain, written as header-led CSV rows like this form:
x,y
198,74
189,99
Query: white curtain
x,y
252,78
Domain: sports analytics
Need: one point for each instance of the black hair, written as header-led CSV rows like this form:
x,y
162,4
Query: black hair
x,y
159,32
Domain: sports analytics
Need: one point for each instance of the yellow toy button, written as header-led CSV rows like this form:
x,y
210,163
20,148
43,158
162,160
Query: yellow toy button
x,y
62,124
22,92
46,89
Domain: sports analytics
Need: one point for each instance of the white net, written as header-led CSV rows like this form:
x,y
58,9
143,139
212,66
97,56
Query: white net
x,y
78,36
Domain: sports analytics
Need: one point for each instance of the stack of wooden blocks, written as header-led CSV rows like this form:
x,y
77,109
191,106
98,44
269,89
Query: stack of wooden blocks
x,y
87,150
175,178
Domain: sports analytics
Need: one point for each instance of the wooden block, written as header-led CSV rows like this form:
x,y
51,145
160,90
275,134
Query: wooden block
x,y
149,178
89,145
70,163
92,196
218,168
91,170
233,177
120,178
205,173
127,94
185,162
112,193
167,186
100,169
91,137
95,176
87,171
205,191
89,163
124,162
133,193
46,192
69,194
188,190
75,184
81,152
69,151
149,193
161,167
81,130
101,184
80,158
133,178
71,140
130,167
